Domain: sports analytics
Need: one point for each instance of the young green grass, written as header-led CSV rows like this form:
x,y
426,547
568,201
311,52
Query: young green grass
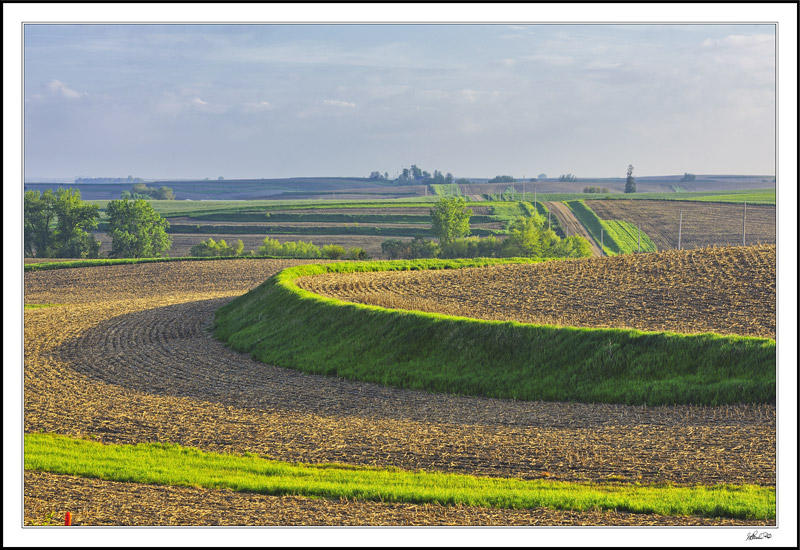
x,y
166,464
618,236
281,324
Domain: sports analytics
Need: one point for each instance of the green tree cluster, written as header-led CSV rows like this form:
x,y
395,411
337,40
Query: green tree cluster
x,y
450,219
136,229
211,248
502,179
58,225
301,249
141,191
527,237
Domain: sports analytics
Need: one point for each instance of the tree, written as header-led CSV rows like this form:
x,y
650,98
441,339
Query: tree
x,y
137,231
688,176
333,251
394,249
525,238
163,193
212,248
450,219
58,225
630,181
502,179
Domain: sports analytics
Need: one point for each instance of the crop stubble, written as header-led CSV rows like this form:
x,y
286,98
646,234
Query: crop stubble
x,y
701,223
724,290
127,358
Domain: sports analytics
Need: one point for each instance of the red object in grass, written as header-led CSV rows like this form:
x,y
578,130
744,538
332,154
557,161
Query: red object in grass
x,y
68,519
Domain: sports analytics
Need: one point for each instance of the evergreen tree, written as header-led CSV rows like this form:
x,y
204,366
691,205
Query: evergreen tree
x,y
630,181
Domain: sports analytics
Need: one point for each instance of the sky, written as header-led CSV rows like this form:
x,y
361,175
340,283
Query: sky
x,y
181,101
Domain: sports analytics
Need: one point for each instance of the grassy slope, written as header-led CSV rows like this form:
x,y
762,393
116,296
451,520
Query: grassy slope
x,y
174,465
619,237
282,324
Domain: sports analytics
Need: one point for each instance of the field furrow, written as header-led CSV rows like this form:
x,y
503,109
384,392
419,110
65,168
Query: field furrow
x,y
126,357
687,292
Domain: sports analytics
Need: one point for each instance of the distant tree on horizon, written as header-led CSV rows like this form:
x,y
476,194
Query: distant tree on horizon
x,y
630,181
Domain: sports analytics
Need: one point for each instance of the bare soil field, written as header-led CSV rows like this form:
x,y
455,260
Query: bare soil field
x,y
127,357
724,290
703,224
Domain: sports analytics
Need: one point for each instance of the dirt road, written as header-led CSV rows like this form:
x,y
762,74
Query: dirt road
x,y
571,224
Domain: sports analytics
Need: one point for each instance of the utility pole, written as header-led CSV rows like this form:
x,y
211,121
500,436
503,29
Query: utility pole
x,y
639,245
680,225
534,195
744,219
602,252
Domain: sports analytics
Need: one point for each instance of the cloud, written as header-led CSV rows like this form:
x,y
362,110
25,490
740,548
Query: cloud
x,y
337,103
555,60
471,95
258,106
58,88
171,103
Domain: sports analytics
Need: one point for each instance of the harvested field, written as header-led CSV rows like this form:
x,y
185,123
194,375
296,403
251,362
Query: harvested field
x,y
126,357
722,290
97,502
704,224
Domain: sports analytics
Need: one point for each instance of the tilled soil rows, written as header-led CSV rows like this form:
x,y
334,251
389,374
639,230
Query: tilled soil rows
x,y
700,224
126,357
727,290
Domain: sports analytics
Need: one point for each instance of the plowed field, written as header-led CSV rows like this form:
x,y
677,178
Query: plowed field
x,y
126,357
723,290
702,223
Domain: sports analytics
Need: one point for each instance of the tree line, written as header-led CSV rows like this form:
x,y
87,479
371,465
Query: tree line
x,y
527,237
59,225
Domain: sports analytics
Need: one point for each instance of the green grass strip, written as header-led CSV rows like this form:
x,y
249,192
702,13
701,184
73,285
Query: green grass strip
x,y
46,266
618,236
168,464
281,324
627,236
38,306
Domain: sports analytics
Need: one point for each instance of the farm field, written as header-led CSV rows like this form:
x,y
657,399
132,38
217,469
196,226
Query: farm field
x,y
183,242
704,224
125,357
677,291
363,225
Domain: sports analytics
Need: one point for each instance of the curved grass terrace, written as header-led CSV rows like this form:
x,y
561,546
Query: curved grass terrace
x,y
280,323
165,464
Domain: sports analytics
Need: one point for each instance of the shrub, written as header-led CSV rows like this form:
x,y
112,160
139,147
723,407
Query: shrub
x,y
333,251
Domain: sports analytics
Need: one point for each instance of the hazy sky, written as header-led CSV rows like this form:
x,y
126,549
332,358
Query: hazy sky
x,y
251,101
